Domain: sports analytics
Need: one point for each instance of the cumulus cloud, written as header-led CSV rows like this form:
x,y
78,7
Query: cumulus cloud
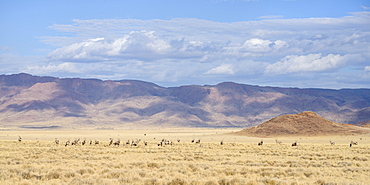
x,y
147,46
367,68
136,45
183,50
222,69
256,45
310,63
195,38
51,68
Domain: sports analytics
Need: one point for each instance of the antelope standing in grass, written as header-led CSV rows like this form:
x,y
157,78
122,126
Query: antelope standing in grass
x,y
111,141
116,143
295,143
166,142
260,143
57,141
75,142
222,142
67,143
19,138
96,142
135,143
84,142
332,142
198,141
353,143
277,141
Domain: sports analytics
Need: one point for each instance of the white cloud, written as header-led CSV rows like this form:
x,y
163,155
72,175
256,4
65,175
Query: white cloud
x,y
136,45
258,45
182,50
5,48
195,38
310,63
50,68
222,69
365,7
367,68
10,62
205,31
271,17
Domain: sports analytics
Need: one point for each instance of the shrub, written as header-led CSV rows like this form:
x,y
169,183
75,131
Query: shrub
x,y
53,175
177,181
153,165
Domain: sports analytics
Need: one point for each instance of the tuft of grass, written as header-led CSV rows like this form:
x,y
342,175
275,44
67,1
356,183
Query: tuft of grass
x,y
53,175
177,181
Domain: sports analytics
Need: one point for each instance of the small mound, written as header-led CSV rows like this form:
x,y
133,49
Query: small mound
x,y
302,124
363,124
367,125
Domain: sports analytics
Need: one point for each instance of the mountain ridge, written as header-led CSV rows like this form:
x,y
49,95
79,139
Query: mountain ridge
x,y
74,102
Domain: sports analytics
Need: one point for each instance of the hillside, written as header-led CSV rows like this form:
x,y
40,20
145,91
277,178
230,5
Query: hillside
x,y
34,101
302,124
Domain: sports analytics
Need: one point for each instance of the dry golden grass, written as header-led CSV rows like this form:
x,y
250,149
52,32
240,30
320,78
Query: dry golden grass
x,y
38,160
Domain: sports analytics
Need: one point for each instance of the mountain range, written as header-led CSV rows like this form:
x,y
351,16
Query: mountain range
x,y
28,101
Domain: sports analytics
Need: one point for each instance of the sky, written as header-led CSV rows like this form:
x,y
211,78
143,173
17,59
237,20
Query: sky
x,y
286,43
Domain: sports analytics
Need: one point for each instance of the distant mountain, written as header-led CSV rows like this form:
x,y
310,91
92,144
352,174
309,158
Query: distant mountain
x,y
303,124
33,101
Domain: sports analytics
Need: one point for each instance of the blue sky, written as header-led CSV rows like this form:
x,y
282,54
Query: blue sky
x,y
290,43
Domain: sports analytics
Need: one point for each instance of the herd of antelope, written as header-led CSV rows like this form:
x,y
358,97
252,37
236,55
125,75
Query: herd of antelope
x,y
163,142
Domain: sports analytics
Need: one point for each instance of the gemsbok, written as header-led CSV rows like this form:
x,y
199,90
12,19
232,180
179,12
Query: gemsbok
x,y
57,141
353,143
332,142
166,142
116,143
75,142
295,144
277,141
19,138
260,143
135,143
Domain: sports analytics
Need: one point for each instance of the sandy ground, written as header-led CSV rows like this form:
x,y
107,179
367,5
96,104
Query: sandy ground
x,y
38,160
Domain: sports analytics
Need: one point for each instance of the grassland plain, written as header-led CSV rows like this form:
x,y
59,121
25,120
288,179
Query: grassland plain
x,y
37,159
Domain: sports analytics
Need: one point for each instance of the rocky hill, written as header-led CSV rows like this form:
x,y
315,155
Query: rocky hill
x,y
49,102
302,124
